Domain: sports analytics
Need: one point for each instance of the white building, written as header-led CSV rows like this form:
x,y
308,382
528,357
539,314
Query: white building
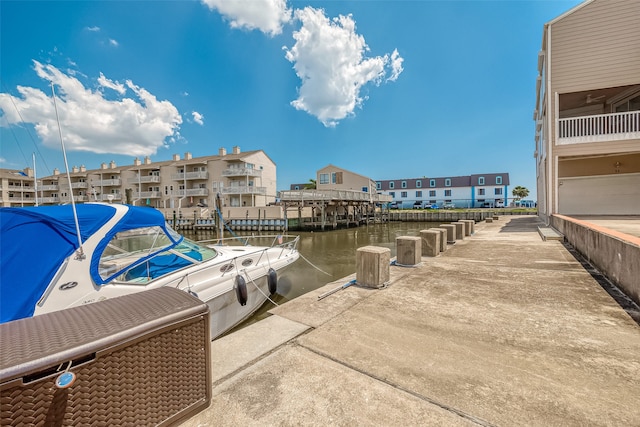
x,y
470,191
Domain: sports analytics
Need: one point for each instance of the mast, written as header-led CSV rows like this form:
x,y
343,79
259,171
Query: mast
x,y
35,176
80,251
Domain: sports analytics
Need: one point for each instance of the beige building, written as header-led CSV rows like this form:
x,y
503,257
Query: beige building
x,y
587,111
17,188
241,180
334,178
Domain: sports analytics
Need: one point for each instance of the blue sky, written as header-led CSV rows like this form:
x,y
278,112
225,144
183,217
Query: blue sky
x,y
386,89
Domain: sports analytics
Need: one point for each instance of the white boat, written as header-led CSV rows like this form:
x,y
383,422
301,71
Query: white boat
x,y
126,249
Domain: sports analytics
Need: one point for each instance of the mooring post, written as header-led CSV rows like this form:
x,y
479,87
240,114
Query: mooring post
x,y
372,266
408,250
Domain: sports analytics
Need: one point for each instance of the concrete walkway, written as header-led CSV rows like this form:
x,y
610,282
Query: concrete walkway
x,y
502,329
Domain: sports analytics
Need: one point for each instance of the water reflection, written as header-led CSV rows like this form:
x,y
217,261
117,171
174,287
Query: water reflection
x,y
327,256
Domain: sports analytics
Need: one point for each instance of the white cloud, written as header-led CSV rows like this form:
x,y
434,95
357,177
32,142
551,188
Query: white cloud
x,y
105,82
93,29
136,126
328,57
266,15
113,42
197,117
3,160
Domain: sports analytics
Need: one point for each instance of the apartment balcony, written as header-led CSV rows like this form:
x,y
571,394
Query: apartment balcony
x,y
144,179
106,182
242,172
599,128
110,197
190,176
190,192
67,199
245,189
79,185
48,200
51,187
144,194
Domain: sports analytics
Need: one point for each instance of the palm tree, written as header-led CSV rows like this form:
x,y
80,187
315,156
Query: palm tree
x,y
311,185
520,192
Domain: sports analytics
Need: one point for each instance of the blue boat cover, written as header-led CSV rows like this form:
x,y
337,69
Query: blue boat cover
x,y
35,241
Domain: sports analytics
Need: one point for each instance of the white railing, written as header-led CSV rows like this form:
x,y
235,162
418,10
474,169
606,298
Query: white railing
x,y
191,192
241,172
244,189
190,175
334,195
144,179
147,194
105,182
50,187
599,128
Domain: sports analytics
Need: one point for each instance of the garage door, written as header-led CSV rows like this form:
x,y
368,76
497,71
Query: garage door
x,y
600,195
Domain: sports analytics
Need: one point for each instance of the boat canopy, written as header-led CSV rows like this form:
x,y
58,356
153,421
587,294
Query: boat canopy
x,y
35,241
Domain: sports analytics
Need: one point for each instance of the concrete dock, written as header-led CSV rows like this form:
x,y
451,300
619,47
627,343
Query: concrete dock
x,y
502,329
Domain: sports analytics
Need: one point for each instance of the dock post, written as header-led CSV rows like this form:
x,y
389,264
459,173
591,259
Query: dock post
x,y
430,242
451,232
408,250
443,237
467,227
459,230
372,266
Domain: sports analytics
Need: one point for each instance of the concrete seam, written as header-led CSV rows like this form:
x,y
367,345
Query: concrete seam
x,y
427,399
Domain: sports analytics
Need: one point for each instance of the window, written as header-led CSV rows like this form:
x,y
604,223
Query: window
x,y
432,193
498,191
498,180
432,183
433,202
481,180
447,193
297,187
418,184
379,185
404,184
392,184
333,177
392,194
365,189
324,178
403,194
447,182
418,193
480,191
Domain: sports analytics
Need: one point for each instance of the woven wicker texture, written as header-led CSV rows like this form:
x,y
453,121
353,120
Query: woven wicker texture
x,y
152,381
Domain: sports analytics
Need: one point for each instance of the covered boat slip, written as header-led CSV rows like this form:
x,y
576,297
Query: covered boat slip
x,y
333,208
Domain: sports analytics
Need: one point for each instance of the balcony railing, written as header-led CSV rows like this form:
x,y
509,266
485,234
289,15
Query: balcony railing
x,y
241,172
244,189
345,195
106,182
144,179
110,197
49,199
190,176
190,192
50,187
147,194
599,128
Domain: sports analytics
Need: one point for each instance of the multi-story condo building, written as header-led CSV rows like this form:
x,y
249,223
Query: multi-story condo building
x,y
470,191
587,111
17,188
237,179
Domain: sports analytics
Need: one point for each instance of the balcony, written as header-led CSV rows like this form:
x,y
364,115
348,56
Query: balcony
x,y
144,179
145,194
599,128
106,182
110,197
48,200
50,187
190,192
190,176
245,189
242,172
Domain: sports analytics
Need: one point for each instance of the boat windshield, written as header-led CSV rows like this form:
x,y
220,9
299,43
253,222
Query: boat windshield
x,y
144,254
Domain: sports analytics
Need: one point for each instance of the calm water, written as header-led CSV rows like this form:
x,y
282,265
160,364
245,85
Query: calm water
x,y
332,252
